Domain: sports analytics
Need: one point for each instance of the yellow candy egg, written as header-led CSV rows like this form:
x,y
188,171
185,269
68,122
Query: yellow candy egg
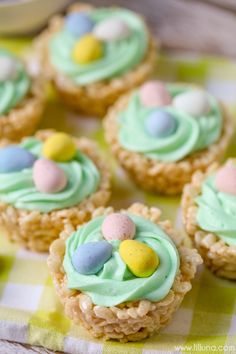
x,y
140,258
87,49
59,147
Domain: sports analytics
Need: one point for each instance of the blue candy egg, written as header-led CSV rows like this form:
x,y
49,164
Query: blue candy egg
x,y
78,24
14,158
160,124
90,257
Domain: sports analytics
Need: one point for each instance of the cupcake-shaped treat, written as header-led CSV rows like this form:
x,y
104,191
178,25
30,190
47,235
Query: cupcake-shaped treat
x,y
93,55
122,275
21,98
162,133
47,181
209,216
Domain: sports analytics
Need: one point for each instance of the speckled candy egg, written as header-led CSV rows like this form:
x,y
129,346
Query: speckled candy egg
x,y
225,180
8,68
154,94
90,257
78,23
87,50
118,226
140,258
48,176
160,124
195,103
112,29
59,147
14,158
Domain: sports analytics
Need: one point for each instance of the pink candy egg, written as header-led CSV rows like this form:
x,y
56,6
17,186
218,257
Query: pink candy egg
x,y
154,94
225,180
118,226
48,176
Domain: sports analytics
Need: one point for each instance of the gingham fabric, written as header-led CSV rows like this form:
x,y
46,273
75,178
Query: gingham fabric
x,y
29,308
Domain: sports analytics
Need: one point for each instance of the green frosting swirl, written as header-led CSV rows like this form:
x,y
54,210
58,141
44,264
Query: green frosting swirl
x,y
114,283
192,134
13,91
119,56
217,211
17,188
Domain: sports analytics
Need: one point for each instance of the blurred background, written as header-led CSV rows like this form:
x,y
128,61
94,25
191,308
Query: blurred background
x,y
206,26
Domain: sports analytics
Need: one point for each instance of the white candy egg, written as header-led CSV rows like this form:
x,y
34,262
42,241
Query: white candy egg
x,y
112,29
8,68
194,103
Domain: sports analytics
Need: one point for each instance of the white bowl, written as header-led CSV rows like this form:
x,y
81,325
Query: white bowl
x,y
19,17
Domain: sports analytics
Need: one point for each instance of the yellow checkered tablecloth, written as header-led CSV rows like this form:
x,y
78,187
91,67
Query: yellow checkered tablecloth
x,y
29,309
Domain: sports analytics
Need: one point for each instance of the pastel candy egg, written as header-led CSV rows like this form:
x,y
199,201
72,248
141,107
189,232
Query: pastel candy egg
x,y
154,94
140,258
59,147
48,177
112,29
195,103
8,68
90,257
225,180
78,23
87,49
15,158
118,226
160,124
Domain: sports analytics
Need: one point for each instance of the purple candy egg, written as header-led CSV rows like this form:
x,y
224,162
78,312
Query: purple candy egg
x,y
160,123
78,23
14,158
90,257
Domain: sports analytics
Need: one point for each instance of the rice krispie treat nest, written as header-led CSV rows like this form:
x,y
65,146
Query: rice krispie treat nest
x,y
162,133
118,54
107,310
209,217
39,196
22,98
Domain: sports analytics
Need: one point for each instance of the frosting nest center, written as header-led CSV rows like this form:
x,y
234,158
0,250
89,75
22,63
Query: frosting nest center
x,y
217,204
113,41
115,282
46,185
164,124
14,81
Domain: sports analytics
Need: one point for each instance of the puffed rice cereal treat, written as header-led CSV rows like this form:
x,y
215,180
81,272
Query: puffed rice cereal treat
x,y
123,274
46,181
162,133
93,55
209,204
22,98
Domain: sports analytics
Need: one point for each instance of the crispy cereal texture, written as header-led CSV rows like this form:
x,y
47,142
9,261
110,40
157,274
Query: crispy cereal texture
x,y
95,98
130,321
35,230
156,176
219,257
23,119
